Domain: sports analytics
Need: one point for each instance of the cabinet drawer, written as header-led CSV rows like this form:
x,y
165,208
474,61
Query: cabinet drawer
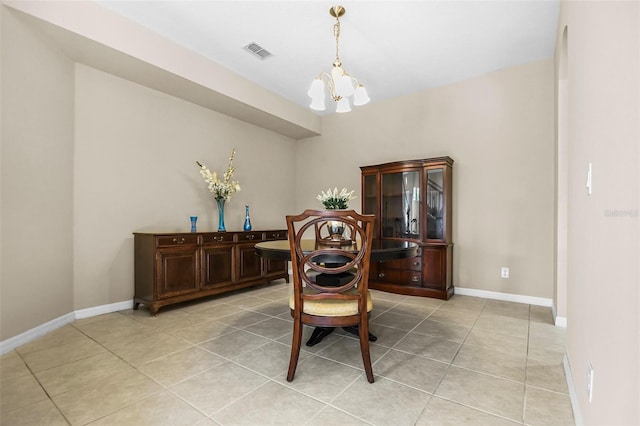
x,y
217,237
411,264
177,239
398,276
249,236
275,235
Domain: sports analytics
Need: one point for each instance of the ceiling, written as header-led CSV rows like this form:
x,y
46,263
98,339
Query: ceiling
x,y
392,47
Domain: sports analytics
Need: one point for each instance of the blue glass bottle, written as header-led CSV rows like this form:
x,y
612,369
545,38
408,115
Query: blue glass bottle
x,y
247,219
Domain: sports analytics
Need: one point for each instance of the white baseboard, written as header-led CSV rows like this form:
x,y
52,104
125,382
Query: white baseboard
x,y
561,322
558,321
104,309
518,298
577,415
30,335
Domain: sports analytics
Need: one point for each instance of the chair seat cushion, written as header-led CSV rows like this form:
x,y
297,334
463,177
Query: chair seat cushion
x,y
330,308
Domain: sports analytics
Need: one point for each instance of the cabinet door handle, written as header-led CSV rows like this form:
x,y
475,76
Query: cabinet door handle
x,y
275,235
250,237
381,275
415,279
219,239
178,241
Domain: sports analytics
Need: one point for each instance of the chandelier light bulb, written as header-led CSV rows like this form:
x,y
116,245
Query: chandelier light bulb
x,y
317,103
343,105
340,84
317,88
360,96
344,86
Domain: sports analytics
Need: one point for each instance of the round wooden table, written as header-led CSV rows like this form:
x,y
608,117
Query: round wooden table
x,y
380,250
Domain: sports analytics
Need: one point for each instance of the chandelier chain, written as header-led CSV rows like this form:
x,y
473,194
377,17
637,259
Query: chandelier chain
x,y
336,33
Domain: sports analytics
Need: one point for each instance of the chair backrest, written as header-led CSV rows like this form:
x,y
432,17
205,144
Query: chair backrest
x,y
343,267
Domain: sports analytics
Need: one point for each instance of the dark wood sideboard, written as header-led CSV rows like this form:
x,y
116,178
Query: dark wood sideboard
x,y
175,267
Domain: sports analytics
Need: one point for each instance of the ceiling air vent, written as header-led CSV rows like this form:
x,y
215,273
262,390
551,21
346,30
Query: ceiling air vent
x,y
258,50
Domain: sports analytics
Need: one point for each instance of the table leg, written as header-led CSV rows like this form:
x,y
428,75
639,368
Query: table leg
x,y
353,329
318,334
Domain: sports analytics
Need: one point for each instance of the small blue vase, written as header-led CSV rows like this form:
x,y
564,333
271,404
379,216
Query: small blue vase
x,y
221,227
194,220
247,219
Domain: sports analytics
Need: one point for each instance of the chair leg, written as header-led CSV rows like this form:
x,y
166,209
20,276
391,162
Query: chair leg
x,y
364,349
295,348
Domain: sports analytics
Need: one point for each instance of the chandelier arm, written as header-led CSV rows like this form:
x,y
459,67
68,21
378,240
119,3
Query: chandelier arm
x,y
331,84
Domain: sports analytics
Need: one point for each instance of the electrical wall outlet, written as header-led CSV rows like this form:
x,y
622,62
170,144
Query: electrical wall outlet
x,y
504,272
590,382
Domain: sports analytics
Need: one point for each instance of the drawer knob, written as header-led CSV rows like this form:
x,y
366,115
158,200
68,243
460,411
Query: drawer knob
x,y
416,263
219,239
178,241
381,275
250,237
415,279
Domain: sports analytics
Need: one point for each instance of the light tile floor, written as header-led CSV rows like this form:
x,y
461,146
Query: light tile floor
x,y
223,361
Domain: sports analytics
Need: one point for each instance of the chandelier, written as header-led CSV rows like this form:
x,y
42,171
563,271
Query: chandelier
x,y
341,85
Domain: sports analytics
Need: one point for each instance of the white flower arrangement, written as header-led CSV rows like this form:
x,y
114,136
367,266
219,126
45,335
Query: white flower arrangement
x,y
222,189
333,200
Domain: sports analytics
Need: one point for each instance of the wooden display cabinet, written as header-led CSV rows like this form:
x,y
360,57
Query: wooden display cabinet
x,y
412,201
175,267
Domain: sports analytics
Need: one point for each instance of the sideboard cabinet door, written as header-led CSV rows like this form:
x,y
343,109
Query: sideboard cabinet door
x,y
249,263
217,260
272,267
177,271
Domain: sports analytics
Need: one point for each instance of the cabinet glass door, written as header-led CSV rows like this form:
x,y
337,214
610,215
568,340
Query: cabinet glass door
x,y
401,205
369,195
435,208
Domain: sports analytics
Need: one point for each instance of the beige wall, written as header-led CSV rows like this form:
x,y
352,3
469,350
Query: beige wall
x,y
89,158
499,130
37,180
603,124
135,170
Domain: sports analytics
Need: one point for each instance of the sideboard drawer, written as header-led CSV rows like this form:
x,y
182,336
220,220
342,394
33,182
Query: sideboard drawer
x,y
249,236
217,237
176,240
275,235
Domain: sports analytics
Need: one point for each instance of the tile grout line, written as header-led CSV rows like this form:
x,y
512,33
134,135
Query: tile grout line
x,y
450,363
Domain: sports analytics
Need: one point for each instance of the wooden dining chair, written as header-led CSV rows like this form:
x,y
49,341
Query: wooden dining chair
x,y
341,298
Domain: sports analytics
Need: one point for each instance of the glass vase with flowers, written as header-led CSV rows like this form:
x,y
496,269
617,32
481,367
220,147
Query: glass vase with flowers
x,y
222,189
334,200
